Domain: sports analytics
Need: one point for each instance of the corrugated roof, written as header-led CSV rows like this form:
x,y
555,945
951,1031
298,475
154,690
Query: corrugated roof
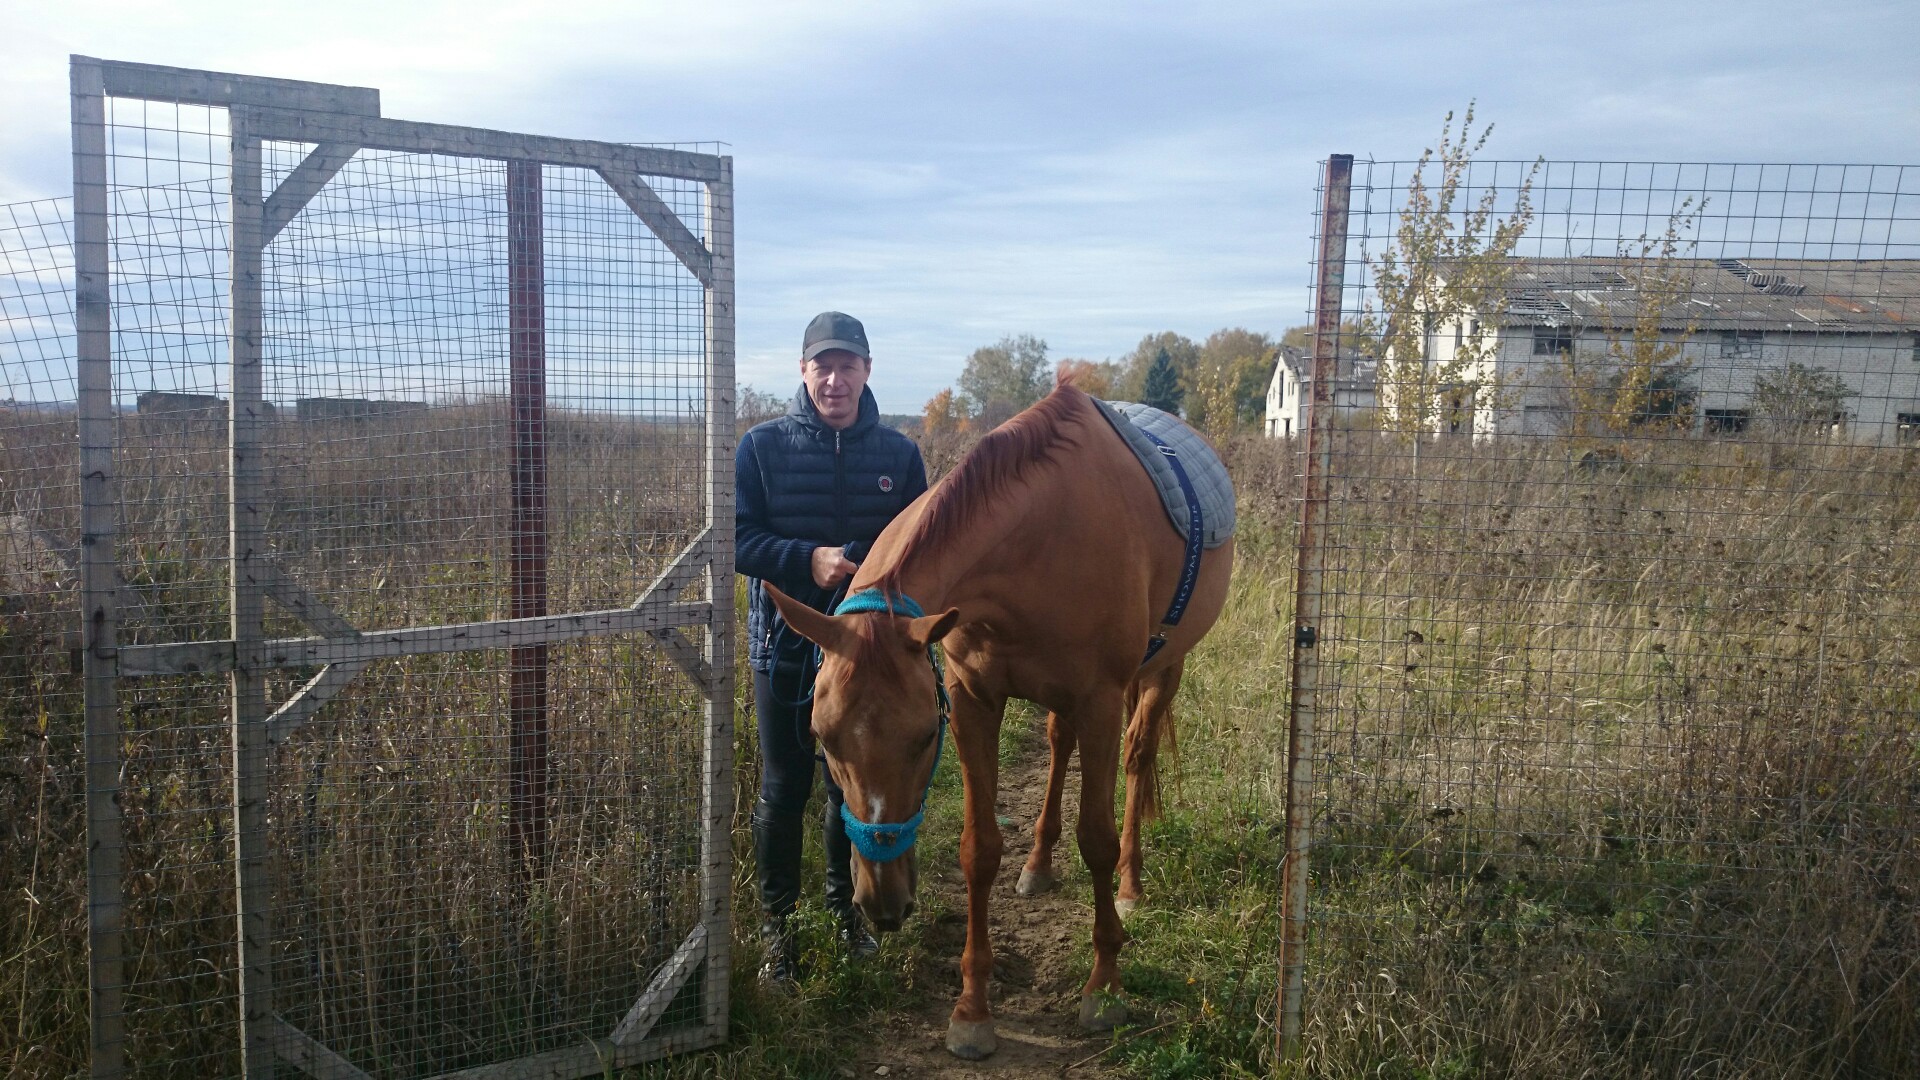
x,y
1833,295
1355,368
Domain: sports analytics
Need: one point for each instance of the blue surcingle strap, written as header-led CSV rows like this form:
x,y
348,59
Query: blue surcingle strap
x,y
1190,571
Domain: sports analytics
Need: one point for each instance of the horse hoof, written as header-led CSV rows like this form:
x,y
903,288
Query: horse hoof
x,y
1033,883
971,1040
1101,1012
1124,908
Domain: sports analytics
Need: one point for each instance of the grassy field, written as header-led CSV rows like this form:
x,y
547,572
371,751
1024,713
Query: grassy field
x,y
1617,780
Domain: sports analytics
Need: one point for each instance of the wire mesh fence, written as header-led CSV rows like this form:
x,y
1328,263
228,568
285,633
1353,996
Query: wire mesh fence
x,y
42,774
420,692
1615,764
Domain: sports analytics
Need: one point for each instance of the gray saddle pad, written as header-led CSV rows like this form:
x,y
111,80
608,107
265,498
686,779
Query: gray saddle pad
x,y
1204,468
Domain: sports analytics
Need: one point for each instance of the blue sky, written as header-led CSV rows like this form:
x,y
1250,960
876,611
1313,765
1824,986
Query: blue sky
x,y
1085,172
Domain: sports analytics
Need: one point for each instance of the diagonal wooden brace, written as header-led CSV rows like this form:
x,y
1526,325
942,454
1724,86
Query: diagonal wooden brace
x,y
319,690
303,605
687,656
649,207
680,573
310,1056
301,185
659,993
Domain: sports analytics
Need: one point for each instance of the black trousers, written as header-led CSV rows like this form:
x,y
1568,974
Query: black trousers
x,y
787,766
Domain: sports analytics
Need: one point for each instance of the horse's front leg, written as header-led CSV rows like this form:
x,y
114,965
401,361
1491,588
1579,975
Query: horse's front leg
x,y
1037,876
976,736
1099,725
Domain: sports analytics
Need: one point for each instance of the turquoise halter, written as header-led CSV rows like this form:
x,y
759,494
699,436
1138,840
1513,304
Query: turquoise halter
x,y
888,841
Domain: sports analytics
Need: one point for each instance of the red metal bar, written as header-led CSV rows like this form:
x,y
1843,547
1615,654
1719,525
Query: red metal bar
x,y
528,783
1309,582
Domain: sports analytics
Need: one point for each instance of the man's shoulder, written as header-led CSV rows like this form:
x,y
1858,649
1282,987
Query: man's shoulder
x,y
780,427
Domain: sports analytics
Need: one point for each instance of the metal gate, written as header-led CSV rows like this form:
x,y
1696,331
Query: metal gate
x,y
406,567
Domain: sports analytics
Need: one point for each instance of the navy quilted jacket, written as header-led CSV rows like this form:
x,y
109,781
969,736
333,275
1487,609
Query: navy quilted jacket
x,y
799,484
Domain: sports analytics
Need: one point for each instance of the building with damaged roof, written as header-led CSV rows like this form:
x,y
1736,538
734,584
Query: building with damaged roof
x,y
1733,323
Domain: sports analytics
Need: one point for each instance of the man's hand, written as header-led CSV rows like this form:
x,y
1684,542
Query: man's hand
x,y
830,566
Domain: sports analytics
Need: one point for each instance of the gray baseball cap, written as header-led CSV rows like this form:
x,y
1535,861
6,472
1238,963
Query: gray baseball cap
x,y
834,330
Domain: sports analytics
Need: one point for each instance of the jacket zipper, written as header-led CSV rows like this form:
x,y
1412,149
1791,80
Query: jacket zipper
x,y
839,490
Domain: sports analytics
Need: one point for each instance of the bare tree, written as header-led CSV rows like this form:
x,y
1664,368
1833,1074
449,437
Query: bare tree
x,y
1446,262
1003,378
1642,383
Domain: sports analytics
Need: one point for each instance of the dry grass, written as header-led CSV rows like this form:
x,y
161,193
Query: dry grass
x,y
1618,779
401,938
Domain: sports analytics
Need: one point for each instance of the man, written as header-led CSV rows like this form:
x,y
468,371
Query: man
x,y
812,489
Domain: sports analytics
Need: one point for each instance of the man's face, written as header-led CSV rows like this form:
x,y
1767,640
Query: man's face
x,y
834,380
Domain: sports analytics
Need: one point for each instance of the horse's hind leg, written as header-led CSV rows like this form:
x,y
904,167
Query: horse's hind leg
x,y
1151,724
1037,876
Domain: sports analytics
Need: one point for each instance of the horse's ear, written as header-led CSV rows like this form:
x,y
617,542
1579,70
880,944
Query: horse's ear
x,y
928,629
821,629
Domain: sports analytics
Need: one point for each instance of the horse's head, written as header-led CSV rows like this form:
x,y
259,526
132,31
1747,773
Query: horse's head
x,y
876,715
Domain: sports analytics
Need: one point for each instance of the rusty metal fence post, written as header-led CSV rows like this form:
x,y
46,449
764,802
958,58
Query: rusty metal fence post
x,y
527,698
1309,573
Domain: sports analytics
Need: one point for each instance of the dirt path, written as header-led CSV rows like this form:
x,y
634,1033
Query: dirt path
x,y
1036,984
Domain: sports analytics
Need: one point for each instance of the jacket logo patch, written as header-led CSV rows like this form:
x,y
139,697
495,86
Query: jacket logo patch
x,y
886,483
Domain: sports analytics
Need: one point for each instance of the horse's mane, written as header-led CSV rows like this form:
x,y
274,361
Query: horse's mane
x,y
999,461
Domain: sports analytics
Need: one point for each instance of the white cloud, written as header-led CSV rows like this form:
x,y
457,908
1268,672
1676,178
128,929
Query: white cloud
x,y
1084,171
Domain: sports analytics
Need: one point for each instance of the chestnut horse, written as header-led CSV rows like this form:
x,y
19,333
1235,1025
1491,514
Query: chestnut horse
x,y
1050,561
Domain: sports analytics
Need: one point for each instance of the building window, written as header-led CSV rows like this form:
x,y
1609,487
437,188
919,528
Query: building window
x,y
1740,343
1907,427
1544,420
1552,340
1727,421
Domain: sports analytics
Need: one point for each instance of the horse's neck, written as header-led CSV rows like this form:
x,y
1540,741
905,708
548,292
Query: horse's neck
x,y
937,577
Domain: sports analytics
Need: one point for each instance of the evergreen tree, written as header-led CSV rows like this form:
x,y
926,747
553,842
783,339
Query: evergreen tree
x,y
1162,389
1131,369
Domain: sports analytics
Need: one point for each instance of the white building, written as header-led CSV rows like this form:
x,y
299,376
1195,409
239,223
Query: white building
x,y
1735,322
1290,390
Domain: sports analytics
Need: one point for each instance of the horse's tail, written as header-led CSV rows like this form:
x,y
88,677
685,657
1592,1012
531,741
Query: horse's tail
x,y
1150,704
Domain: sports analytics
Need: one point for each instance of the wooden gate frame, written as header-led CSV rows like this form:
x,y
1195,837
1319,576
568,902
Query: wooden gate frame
x,y
342,120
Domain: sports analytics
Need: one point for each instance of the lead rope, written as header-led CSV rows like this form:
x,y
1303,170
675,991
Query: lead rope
x,y
810,665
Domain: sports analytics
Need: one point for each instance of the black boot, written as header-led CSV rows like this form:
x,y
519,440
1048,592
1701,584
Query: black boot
x,y
776,857
852,932
781,971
